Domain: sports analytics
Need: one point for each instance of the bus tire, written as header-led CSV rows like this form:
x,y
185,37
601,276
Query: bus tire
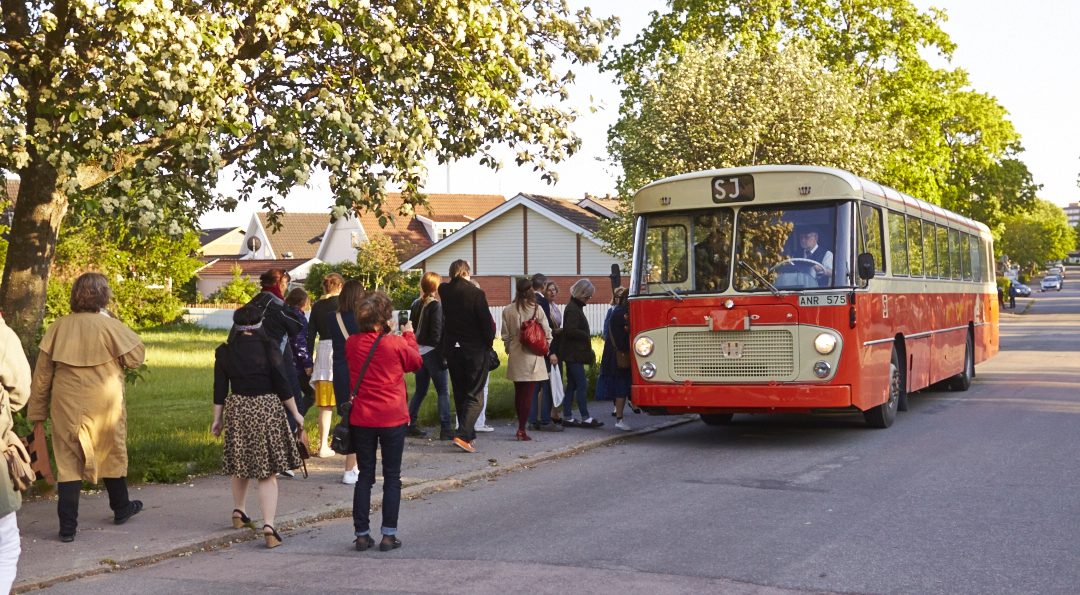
x,y
962,381
884,414
717,419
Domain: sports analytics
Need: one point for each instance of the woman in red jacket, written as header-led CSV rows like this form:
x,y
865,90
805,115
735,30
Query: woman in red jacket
x,y
379,418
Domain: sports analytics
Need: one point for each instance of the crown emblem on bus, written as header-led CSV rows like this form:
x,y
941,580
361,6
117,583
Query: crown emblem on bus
x,y
804,190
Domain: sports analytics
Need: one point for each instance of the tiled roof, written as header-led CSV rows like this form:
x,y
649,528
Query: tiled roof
x,y
408,233
248,267
567,209
11,185
299,234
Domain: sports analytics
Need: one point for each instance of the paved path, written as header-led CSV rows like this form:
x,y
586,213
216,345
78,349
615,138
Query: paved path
x,y
195,516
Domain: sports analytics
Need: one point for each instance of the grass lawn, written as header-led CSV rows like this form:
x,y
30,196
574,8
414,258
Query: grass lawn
x,y
170,409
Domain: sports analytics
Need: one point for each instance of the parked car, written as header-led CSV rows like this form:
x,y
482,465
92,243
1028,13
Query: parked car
x,y
1051,282
1022,290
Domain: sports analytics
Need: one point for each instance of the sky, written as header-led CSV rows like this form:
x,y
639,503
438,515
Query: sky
x,y
1024,54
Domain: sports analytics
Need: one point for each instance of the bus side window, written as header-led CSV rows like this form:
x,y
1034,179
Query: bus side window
x,y
929,250
915,251
976,262
954,251
944,262
898,244
872,242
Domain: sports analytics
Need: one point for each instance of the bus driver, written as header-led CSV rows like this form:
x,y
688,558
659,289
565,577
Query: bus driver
x,y
810,250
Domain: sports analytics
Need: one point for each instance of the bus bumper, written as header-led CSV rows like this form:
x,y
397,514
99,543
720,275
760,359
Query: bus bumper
x,y
740,398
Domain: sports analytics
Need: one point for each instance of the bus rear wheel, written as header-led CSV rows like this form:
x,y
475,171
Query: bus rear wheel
x,y
717,419
962,381
884,414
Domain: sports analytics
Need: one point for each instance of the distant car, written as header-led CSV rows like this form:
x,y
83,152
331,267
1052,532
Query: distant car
x,y
1051,282
1022,290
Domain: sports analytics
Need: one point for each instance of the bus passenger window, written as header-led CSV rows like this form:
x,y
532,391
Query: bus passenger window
x,y
976,263
915,246
898,243
944,264
870,217
929,251
665,254
954,251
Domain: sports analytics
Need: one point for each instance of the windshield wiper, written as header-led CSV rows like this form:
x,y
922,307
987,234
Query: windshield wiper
x,y
674,293
759,277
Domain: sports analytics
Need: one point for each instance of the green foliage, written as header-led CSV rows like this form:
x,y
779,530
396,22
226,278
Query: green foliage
x,y
713,108
319,271
239,289
141,268
1037,236
950,145
405,290
377,263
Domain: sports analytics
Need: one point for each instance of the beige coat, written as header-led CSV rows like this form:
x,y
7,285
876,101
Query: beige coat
x,y
14,390
523,365
79,383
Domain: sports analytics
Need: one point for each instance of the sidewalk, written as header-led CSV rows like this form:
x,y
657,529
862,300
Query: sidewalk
x,y
195,516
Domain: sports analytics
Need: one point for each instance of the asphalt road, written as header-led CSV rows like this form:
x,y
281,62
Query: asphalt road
x,y
974,492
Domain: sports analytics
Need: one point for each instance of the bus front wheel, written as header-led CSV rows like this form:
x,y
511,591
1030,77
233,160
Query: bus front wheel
x,y
962,381
717,419
884,414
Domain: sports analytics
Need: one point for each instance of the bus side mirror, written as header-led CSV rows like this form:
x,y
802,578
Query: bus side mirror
x,y
866,266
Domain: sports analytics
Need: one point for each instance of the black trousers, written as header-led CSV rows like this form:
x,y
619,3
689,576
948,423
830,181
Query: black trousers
x,y
468,374
67,504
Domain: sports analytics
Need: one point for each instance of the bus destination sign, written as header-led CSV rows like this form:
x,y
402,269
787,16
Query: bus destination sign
x,y
823,299
733,188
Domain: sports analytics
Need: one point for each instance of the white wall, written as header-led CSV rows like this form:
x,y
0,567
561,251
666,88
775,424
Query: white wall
x,y
499,245
338,246
552,247
595,261
440,261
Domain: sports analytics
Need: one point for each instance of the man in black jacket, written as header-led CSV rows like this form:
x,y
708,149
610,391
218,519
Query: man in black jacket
x,y
468,333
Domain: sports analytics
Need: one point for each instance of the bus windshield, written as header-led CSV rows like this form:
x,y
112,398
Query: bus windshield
x,y
791,247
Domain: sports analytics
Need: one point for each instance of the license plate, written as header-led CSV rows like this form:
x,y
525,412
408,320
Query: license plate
x,y
823,299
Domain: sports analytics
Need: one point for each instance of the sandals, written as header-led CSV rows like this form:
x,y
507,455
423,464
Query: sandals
x,y
239,522
273,539
522,436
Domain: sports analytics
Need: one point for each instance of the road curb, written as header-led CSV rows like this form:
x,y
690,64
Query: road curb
x,y
288,524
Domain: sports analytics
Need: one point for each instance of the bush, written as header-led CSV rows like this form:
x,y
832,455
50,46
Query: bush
x,y
239,290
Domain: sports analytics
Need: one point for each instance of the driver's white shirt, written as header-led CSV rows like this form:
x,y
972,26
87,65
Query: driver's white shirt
x,y
826,262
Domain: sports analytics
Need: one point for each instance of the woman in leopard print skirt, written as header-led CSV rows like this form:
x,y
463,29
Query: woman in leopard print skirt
x,y
251,398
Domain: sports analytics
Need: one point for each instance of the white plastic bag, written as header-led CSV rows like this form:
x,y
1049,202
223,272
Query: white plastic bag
x,y
557,390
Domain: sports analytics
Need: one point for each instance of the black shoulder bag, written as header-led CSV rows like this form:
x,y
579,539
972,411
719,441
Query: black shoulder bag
x,y
339,441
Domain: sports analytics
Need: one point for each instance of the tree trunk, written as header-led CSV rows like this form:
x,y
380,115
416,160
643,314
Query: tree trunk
x,y
39,209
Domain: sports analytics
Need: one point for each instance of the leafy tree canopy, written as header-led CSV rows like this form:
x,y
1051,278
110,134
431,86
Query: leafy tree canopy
x,y
712,108
1036,236
134,107
952,145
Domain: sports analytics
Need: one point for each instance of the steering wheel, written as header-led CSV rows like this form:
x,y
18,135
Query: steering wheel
x,y
811,262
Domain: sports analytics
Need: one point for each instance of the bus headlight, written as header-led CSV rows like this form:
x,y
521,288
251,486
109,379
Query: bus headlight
x,y
648,370
825,343
822,369
643,346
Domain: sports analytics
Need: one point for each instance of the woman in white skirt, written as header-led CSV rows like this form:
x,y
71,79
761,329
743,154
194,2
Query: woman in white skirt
x,y
322,375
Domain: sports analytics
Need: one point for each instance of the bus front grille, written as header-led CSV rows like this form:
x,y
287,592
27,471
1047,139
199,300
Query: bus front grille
x,y
734,355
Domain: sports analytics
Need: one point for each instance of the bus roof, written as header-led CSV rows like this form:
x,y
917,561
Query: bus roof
x,y
859,188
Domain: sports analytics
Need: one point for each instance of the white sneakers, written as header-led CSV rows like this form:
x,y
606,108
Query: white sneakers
x,y
351,476
326,452
484,428
622,425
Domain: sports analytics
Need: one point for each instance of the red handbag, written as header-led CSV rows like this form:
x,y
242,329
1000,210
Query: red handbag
x,y
533,337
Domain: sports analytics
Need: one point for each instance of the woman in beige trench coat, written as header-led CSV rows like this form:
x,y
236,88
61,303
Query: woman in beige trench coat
x,y
79,384
523,367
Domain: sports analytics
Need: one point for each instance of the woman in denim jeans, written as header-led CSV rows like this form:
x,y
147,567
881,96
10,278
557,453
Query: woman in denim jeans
x,y
380,413
575,347
426,315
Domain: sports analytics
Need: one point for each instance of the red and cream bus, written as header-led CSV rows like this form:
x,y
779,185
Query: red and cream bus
x,y
778,289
